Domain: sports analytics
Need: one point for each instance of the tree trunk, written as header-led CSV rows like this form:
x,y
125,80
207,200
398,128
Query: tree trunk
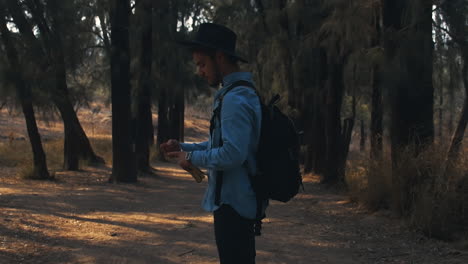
x,y
24,95
346,135
410,49
376,128
310,130
176,114
312,75
315,134
144,116
362,142
461,127
409,60
180,113
456,19
163,133
123,160
76,143
441,113
334,172
451,99
171,99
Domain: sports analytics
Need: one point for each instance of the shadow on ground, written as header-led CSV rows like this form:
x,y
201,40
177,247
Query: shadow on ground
x,y
80,218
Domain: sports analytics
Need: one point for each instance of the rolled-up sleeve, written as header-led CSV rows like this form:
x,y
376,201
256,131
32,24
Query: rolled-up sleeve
x,y
236,125
194,146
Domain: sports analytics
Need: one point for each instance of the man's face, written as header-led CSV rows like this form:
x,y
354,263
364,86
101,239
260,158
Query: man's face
x,y
207,68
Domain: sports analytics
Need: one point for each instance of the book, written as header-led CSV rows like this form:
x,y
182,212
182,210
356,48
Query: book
x,y
196,173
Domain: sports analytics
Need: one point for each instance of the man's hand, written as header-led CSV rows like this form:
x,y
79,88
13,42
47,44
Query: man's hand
x,y
171,145
180,157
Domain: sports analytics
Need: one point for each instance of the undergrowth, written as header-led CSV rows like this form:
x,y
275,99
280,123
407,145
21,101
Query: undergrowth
x,y
425,190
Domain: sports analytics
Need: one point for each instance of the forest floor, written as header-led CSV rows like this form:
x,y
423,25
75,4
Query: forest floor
x,y
81,218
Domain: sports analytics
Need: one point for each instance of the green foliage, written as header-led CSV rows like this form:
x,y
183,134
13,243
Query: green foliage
x,y
349,28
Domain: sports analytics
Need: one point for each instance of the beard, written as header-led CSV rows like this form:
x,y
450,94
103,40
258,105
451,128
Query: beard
x,y
218,77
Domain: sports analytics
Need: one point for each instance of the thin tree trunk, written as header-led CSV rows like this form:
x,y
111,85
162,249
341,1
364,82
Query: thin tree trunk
x,y
439,54
175,114
376,126
335,87
462,123
123,160
144,116
104,26
376,129
362,142
180,109
346,136
163,133
24,95
309,129
451,99
441,112
317,129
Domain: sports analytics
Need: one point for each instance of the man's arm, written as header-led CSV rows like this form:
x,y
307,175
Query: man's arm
x,y
237,121
187,147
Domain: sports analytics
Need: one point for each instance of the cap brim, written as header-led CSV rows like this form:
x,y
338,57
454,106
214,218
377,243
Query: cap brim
x,y
195,44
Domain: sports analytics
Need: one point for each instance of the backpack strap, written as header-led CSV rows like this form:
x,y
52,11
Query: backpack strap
x,y
217,115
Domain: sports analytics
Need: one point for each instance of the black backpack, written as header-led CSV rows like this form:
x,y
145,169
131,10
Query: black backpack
x,y
278,174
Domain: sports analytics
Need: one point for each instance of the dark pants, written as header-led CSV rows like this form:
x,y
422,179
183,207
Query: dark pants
x,y
235,237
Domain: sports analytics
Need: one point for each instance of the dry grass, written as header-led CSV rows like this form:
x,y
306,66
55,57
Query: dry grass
x,y
14,153
431,195
26,172
18,154
102,146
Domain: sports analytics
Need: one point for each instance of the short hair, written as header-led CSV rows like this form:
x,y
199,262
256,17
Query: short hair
x,y
204,50
212,52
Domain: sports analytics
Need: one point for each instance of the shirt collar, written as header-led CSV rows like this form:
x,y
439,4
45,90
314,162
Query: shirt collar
x,y
231,78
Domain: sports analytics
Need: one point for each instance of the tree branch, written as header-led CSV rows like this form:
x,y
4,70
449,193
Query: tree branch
x,y
134,5
440,5
93,47
450,34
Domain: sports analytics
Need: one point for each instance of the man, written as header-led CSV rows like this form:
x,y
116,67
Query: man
x,y
230,152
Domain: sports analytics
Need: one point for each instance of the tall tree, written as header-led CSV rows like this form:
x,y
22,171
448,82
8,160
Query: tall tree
x,y
24,95
346,31
123,160
51,59
456,16
409,52
409,60
172,78
376,128
144,120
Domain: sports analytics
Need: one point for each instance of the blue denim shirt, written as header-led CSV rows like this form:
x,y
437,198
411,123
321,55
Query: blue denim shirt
x,y
240,124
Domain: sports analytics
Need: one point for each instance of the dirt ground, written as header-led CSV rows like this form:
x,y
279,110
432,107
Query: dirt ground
x,y
81,218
